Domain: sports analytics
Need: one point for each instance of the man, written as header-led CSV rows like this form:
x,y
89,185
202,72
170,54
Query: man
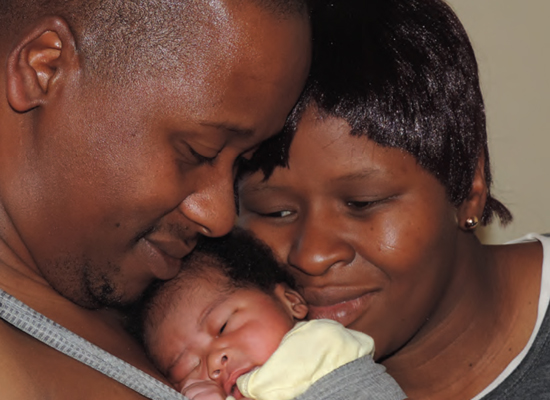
x,y
122,125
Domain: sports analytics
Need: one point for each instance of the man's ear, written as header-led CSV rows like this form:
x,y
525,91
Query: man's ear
x,y
471,209
292,300
40,58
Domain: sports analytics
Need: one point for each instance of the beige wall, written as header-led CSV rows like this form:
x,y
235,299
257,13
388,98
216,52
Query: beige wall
x,y
512,39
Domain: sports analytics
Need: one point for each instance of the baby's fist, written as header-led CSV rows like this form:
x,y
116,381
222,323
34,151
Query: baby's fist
x,y
203,390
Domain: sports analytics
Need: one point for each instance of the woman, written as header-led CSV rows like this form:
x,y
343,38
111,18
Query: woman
x,y
374,206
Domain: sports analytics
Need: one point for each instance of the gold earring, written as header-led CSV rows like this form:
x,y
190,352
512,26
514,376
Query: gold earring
x,y
471,223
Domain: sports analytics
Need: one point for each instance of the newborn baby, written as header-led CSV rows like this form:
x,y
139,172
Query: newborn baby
x,y
230,325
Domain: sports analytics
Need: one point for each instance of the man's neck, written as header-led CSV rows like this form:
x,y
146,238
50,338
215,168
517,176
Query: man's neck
x,y
103,328
15,258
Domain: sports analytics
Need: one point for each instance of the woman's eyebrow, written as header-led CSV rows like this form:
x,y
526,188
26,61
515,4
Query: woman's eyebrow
x,y
367,173
260,187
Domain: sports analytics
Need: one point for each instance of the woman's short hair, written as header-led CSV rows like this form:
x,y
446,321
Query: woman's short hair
x,y
402,73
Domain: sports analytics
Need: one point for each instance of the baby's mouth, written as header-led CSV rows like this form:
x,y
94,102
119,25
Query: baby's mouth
x,y
235,392
230,385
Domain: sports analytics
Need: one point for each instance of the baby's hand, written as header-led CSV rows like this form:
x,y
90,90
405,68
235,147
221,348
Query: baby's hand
x,y
203,390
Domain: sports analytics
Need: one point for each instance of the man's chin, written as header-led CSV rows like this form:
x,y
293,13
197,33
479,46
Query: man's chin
x,y
95,301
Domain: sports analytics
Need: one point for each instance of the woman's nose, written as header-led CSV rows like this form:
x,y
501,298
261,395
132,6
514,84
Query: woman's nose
x,y
318,246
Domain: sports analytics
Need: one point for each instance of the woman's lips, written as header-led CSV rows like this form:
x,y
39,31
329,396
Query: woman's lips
x,y
338,305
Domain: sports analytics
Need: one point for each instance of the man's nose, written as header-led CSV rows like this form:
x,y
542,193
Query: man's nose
x,y
317,246
212,204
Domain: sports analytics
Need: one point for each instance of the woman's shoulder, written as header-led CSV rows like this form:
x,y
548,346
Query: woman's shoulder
x,y
529,251
527,377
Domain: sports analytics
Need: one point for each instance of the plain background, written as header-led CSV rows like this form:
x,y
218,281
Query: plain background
x,y
511,39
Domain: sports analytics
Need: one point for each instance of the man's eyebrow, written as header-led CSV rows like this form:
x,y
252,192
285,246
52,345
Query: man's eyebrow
x,y
245,132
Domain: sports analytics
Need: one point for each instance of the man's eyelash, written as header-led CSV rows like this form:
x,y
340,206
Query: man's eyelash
x,y
200,158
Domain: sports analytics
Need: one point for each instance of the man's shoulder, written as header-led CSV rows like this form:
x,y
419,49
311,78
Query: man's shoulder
x,y
15,380
31,370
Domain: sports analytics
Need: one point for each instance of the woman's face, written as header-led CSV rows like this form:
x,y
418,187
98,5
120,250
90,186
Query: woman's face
x,y
368,233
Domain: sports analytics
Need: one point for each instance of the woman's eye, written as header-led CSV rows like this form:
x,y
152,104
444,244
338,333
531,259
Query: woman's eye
x,y
361,205
277,214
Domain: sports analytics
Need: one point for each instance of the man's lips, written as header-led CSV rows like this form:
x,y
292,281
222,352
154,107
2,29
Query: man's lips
x,y
341,304
163,257
174,248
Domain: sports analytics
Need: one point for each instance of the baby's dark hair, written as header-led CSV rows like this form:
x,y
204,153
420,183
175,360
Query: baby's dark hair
x,y
402,73
245,261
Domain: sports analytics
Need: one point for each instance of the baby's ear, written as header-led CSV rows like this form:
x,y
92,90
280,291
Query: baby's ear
x,y
292,300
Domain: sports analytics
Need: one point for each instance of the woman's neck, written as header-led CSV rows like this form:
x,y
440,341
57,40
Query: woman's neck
x,y
484,321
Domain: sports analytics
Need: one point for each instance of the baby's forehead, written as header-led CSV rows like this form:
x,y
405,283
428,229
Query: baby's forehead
x,y
194,286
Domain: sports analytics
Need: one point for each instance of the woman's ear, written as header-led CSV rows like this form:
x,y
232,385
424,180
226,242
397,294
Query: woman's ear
x,y
470,211
37,63
292,300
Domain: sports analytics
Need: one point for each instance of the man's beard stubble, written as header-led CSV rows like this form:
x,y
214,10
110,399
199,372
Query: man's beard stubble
x,y
85,283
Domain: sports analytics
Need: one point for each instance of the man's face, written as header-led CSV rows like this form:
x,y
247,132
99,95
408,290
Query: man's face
x,y
116,183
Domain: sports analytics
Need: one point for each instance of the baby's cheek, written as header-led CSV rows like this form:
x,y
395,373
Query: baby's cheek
x,y
262,346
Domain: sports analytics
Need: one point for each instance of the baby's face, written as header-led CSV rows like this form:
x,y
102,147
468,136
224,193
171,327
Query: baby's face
x,y
212,334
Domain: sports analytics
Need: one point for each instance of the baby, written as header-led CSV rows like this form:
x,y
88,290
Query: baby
x,y
230,325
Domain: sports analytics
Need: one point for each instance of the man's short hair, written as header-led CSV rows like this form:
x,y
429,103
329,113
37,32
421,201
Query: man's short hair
x,y
118,37
402,73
